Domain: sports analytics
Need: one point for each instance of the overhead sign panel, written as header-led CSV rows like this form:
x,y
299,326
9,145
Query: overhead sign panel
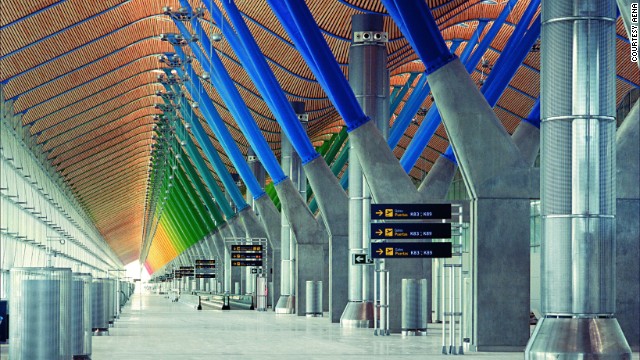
x,y
361,259
410,231
411,250
410,211
246,262
246,247
205,269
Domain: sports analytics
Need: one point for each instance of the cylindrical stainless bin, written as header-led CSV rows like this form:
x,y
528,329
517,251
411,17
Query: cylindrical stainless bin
x,y
313,307
40,305
261,294
81,312
414,307
99,311
110,296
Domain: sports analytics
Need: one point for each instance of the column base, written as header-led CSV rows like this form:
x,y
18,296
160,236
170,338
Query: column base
x,y
286,305
573,338
357,314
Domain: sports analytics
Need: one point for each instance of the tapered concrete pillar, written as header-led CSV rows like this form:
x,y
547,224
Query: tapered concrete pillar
x,y
250,221
628,227
271,222
310,239
437,182
369,79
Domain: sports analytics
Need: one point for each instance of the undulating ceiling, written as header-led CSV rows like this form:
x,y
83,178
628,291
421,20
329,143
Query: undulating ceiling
x,y
83,77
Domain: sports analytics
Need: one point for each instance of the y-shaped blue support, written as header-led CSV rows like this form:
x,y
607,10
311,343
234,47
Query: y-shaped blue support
x,y
302,28
258,70
220,130
235,104
211,153
432,120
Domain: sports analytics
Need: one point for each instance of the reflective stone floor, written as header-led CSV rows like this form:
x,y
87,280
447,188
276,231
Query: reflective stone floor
x,y
153,327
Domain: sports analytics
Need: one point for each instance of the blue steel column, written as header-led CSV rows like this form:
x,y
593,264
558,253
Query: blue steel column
x,y
330,195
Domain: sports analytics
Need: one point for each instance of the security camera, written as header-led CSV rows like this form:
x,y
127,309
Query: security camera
x,y
194,105
206,75
166,10
164,37
216,37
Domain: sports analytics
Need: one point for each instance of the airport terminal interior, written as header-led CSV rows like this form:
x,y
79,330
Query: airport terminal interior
x,y
319,179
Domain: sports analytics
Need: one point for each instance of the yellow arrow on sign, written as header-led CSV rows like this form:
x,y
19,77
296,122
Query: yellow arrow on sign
x,y
379,212
379,251
379,232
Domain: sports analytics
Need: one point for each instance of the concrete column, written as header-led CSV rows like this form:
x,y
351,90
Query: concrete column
x,y
628,227
258,171
309,236
369,79
271,222
286,300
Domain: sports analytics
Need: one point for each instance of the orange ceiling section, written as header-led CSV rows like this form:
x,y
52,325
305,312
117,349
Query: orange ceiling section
x,y
83,74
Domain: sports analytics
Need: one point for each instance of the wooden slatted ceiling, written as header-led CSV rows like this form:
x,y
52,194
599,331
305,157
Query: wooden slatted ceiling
x,y
78,71
101,97
48,22
118,42
138,68
91,71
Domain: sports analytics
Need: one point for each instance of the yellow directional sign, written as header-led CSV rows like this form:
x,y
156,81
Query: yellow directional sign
x,y
389,251
388,212
388,232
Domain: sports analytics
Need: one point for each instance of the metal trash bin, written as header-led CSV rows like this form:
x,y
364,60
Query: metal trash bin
x,y
99,310
40,305
313,306
414,307
81,316
261,294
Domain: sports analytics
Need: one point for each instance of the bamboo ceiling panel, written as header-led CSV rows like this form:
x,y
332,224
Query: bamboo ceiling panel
x,y
84,76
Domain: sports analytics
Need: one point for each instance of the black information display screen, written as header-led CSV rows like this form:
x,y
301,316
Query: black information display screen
x,y
205,269
205,263
410,211
246,255
246,262
410,231
411,250
246,247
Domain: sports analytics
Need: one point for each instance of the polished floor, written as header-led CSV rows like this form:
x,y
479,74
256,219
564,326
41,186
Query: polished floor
x,y
153,327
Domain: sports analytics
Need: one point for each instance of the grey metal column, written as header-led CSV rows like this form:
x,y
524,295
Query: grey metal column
x,y
577,184
259,172
286,301
369,79
628,227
